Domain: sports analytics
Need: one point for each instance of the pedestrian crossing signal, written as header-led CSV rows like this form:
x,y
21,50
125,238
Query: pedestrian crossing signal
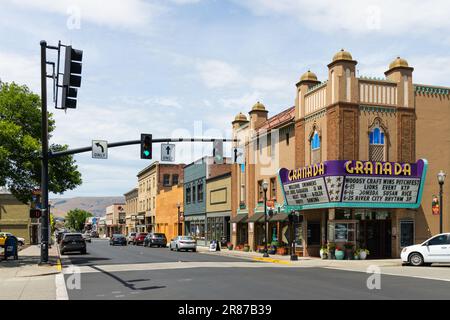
x,y
146,146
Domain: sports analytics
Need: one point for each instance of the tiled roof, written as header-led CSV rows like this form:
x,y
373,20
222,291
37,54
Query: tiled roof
x,y
278,120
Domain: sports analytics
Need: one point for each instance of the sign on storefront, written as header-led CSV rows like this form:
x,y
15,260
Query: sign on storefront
x,y
353,183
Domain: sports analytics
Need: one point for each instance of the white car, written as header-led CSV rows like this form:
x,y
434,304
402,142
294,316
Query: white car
x,y
434,250
183,243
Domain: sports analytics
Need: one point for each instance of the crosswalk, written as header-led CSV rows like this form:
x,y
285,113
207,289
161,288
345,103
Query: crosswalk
x,y
167,266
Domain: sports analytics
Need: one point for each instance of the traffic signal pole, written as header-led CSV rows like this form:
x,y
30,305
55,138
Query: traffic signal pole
x,y
44,157
131,142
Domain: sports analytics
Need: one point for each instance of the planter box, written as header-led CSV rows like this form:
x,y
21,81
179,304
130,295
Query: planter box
x,y
282,251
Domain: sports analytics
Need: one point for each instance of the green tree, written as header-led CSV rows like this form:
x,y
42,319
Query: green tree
x,y
20,145
76,218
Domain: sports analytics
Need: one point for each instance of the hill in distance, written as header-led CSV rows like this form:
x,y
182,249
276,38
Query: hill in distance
x,y
95,205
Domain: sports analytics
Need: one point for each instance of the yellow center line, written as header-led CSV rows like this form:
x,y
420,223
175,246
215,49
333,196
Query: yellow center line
x,y
272,260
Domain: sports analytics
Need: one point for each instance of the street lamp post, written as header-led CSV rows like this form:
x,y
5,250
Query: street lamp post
x,y
293,220
441,177
179,214
265,185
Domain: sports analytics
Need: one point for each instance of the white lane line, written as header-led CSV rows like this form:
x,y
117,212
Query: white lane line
x,y
172,265
392,274
61,290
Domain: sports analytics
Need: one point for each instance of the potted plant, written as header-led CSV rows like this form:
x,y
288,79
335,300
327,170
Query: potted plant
x,y
282,250
348,250
363,253
272,249
339,254
331,246
324,252
356,254
246,247
230,246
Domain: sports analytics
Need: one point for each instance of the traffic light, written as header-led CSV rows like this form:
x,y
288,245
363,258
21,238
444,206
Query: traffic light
x,y
72,77
146,146
35,213
218,151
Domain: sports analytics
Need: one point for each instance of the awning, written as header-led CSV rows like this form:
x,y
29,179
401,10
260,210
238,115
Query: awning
x,y
256,217
279,217
238,218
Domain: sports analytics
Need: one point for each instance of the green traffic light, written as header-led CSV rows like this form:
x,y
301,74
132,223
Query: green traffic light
x,y
146,153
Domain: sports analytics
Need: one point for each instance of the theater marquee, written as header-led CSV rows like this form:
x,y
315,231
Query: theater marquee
x,y
353,183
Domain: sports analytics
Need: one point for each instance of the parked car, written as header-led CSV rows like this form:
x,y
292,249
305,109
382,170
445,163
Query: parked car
x,y
155,239
434,250
130,237
139,238
4,235
94,234
118,239
87,237
183,243
72,242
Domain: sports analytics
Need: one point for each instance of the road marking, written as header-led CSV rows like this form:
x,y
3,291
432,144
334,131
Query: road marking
x,y
271,260
392,274
61,290
173,265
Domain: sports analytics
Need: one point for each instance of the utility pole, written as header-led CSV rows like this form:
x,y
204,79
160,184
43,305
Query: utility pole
x,y
44,157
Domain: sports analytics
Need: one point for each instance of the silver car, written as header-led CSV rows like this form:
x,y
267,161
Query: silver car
x,y
130,237
183,243
86,236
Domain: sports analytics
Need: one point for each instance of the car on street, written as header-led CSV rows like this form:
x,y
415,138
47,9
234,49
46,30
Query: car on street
x,y
130,237
72,242
87,236
94,234
183,243
139,238
118,239
4,235
434,250
155,239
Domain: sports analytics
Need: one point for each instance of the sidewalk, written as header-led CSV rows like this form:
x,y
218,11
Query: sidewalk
x,y
24,279
391,267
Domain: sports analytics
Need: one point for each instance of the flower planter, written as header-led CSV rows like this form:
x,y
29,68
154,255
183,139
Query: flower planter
x,y
349,254
282,251
362,255
339,254
230,247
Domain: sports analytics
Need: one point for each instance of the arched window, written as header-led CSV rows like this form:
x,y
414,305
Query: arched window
x,y
315,141
315,147
377,150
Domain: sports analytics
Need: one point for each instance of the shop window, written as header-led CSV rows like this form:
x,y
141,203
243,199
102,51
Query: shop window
x,y
313,233
298,227
166,180
273,188
188,195
406,233
200,192
377,143
342,231
174,179
315,147
260,191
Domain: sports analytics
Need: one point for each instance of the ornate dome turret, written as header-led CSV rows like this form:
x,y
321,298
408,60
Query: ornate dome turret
x,y
398,62
342,55
258,107
308,76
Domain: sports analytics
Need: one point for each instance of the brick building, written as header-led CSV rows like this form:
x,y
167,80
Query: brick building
x,y
170,204
346,117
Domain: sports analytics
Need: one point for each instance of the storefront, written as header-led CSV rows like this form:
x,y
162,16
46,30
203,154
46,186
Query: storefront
x,y
239,229
196,227
359,204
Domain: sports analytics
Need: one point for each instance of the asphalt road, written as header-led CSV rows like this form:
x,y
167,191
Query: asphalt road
x,y
156,273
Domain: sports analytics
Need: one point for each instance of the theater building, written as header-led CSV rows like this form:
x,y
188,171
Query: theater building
x,y
351,149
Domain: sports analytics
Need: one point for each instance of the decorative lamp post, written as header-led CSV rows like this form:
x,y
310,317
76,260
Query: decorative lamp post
x,y
441,177
265,186
179,216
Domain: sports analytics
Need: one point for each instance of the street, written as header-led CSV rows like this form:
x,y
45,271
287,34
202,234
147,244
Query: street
x,y
157,273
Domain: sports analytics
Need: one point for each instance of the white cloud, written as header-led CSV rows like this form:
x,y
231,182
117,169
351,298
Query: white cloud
x,y
218,74
360,17
112,13
20,69
185,1
242,103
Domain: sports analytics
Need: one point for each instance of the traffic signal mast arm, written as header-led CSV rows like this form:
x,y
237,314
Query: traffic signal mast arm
x,y
131,142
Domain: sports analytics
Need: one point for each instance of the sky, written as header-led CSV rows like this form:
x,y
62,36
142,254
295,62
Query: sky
x,y
185,68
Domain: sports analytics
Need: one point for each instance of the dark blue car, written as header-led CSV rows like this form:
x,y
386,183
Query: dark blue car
x,y
118,239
